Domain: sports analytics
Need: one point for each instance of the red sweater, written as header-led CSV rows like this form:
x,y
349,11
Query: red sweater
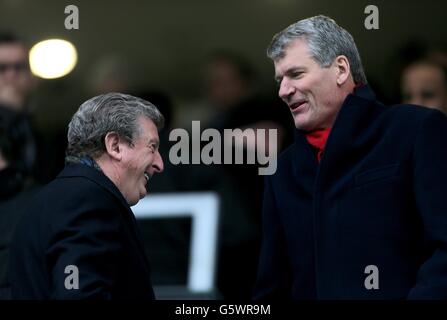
x,y
317,139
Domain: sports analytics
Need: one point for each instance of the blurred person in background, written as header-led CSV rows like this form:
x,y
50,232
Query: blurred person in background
x,y
40,156
424,82
16,80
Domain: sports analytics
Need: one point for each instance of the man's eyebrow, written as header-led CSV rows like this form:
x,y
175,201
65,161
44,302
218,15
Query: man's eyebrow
x,y
295,69
289,71
155,141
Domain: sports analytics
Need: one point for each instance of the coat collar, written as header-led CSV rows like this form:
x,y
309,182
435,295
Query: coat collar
x,y
92,174
351,131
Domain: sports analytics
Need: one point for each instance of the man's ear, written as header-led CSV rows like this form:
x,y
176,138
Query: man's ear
x,y
343,69
113,147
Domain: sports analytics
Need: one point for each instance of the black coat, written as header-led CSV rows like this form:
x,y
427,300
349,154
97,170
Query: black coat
x,y
79,219
378,197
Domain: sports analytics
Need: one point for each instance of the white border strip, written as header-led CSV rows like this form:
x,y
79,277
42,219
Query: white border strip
x,y
203,207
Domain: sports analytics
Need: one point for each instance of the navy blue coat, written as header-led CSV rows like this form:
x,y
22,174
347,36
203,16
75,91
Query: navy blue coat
x,y
79,219
378,197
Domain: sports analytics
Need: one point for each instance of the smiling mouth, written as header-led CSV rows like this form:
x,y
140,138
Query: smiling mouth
x,y
296,105
146,176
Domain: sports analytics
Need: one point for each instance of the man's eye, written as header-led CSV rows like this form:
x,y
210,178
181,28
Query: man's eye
x,y
296,75
152,147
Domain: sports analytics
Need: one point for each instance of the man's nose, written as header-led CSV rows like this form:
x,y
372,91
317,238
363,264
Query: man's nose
x,y
286,89
158,163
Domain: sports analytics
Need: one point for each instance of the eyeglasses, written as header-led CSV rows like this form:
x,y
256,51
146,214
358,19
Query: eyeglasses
x,y
17,67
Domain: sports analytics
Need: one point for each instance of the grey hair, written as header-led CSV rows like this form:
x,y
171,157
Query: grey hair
x,y
110,112
326,40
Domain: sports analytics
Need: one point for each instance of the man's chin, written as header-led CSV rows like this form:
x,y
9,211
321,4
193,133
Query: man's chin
x,y
133,201
303,125
143,193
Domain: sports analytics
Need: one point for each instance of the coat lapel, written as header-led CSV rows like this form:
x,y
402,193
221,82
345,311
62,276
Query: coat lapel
x,y
304,164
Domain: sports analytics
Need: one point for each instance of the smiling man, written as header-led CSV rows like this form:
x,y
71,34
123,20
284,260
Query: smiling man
x,y
79,238
357,207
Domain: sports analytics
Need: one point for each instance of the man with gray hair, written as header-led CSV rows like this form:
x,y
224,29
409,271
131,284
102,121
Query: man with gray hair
x,y
357,207
79,238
